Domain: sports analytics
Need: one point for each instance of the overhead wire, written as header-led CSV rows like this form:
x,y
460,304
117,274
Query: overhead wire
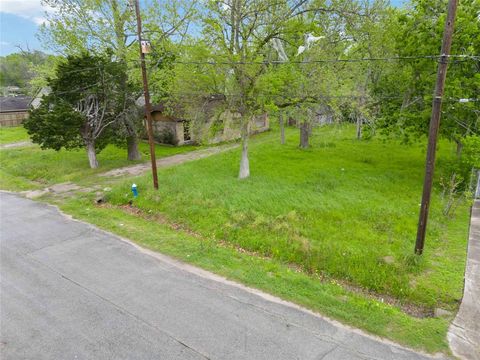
x,y
278,62
318,61
432,57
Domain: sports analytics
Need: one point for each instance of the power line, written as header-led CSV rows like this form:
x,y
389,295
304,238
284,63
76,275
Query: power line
x,y
278,62
278,96
318,97
320,61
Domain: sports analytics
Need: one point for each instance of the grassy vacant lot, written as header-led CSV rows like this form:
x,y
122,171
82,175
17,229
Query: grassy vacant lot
x,y
12,134
30,167
344,210
331,228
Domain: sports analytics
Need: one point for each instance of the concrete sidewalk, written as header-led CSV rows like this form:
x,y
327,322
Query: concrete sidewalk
x,y
464,333
71,291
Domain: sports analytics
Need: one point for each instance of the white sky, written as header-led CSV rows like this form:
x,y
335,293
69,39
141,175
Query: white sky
x,y
28,9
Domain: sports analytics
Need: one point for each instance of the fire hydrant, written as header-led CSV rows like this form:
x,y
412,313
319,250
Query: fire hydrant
x,y
134,190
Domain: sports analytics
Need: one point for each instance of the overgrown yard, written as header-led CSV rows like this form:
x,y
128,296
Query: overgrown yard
x,y
344,209
331,227
12,134
30,167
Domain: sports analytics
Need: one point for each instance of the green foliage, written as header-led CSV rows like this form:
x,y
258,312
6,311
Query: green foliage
x,y
471,151
83,103
405,92
338,211
270,275
55,125
354,203
31,167
24,70
165,137
87,74
457,174
99,26
12,134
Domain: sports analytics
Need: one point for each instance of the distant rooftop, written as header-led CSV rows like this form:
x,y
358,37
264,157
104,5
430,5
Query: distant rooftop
x,y
14,103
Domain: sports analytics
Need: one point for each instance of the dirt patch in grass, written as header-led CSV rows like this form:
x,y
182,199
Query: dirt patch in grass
x,y
168,161
16,144
414,310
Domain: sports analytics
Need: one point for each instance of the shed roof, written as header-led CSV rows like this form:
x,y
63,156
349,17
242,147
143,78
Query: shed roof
x,y
14,103
176,112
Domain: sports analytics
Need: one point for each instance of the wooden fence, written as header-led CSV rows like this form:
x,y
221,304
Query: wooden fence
x,y
14,118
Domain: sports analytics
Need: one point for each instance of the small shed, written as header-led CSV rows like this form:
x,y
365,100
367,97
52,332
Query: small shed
x,y
169,129
13,110
212,123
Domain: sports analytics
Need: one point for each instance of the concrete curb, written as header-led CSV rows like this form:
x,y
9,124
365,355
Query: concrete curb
x,y
464,332
205,274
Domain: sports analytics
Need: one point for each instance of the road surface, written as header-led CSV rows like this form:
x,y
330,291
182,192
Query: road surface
x,y
71,291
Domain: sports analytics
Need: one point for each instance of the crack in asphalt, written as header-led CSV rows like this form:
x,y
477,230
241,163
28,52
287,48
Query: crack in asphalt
x,y
328,352
75,237
282,318
121,309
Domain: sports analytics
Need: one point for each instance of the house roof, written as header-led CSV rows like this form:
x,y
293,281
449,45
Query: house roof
x,y
176,112
165,110
14,103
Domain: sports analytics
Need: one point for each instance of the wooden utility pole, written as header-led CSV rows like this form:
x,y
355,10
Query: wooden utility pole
x,y
434,125
148,106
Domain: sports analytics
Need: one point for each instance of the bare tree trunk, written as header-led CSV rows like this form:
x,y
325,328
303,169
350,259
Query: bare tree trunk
x,y
119,20
132,148
304,135
459,148
282,128
244,163
359,127
92,155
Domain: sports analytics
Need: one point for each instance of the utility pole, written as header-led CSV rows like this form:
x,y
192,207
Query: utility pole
x,y
434,125
148,106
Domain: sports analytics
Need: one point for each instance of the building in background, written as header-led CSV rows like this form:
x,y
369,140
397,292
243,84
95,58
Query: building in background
x,y
209,123
13,110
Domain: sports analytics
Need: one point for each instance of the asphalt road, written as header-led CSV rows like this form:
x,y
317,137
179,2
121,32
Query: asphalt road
x,y
71,291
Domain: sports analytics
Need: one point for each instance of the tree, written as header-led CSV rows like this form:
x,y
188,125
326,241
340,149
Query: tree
x,y
314,77
22,68
239,33
97,25
81,108
405,92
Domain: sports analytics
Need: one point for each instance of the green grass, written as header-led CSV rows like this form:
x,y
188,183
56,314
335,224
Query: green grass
x,y
325,225
270,275
32,167
344,209
12,134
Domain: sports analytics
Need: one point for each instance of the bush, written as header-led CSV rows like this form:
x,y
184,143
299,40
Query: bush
x,y
165,137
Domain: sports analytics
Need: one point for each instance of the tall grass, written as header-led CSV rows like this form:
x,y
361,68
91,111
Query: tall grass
x,y
343,209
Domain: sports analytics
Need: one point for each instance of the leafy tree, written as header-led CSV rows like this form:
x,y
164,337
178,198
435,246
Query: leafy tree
x,y
20,69
97,25
82,106
406,90
94,25
310,82
238,34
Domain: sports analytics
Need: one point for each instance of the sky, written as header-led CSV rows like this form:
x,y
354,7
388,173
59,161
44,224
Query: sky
x,y
19,22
